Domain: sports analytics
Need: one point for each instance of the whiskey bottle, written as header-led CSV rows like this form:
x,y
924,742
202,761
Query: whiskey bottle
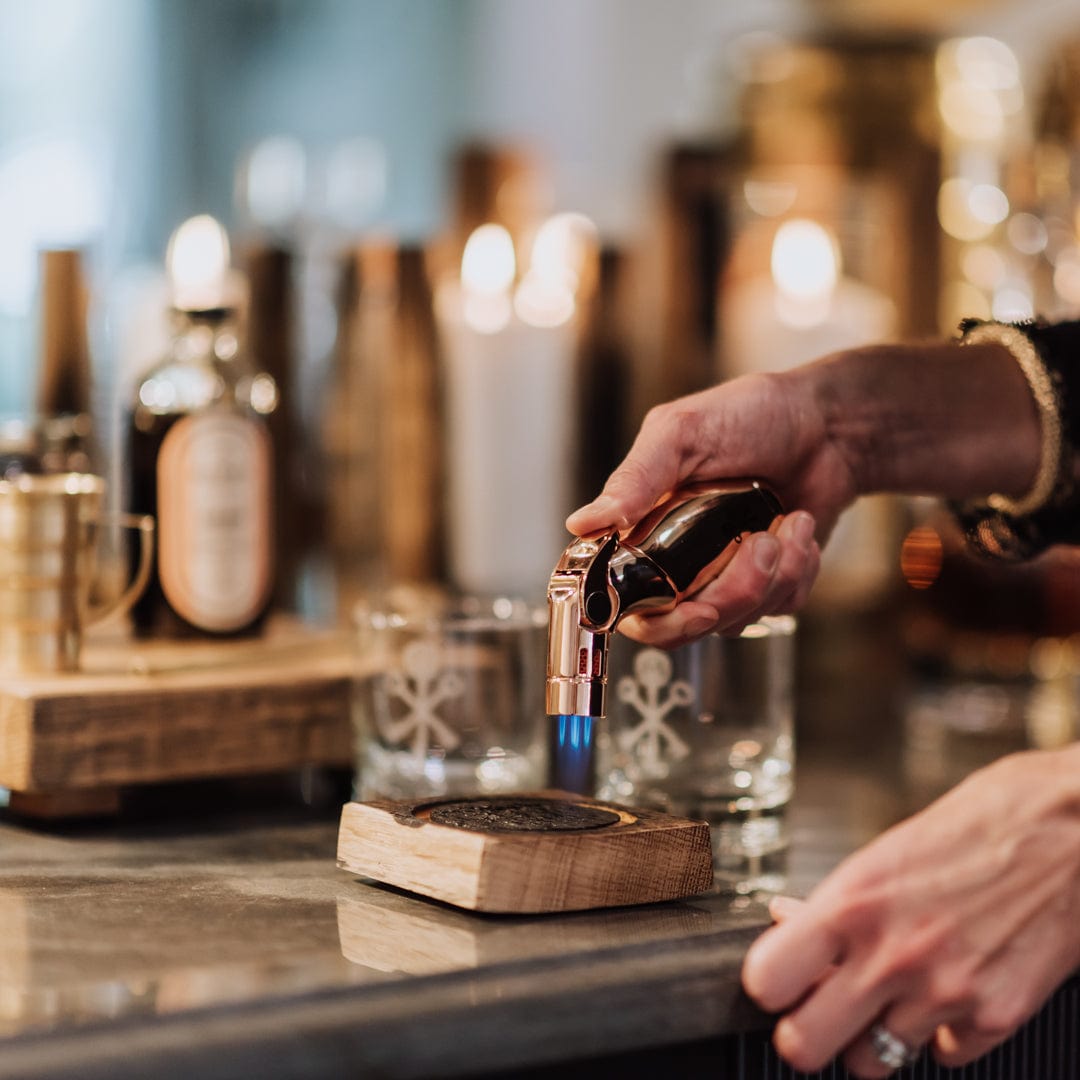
x,y
200,459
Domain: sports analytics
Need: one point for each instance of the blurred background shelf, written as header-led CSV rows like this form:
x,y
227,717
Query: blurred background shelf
x,y
352,147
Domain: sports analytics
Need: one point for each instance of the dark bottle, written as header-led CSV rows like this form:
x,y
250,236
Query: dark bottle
x,y
270,336
605,372
200,460
62,399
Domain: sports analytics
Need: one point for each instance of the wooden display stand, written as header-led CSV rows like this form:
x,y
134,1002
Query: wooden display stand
x,y
537,852
150,712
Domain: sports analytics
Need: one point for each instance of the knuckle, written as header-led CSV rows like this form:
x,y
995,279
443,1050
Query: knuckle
x,y
950,987
1000,1016
788,575
627,483
897,961
660,417
631,474
742,593
857,912
680,419
921,955
792,1045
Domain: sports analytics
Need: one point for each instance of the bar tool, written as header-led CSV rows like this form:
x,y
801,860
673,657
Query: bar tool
x,y
678,547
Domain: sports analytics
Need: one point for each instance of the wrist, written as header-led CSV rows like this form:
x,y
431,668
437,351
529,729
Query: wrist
x,y
937,419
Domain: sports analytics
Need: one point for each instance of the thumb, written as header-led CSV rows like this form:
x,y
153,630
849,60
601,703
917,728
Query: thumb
x,y
783,907
648,472
622,503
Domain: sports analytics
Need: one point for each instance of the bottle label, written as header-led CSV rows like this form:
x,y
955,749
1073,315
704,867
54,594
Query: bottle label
x,y
214,504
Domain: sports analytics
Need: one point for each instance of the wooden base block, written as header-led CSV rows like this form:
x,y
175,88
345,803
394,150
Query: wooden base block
x,y
537,852
152,712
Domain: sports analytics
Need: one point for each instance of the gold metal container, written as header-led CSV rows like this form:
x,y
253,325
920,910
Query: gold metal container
x,y
49,533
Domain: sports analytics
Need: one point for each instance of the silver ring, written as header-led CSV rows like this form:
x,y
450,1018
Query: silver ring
x,y
890,1049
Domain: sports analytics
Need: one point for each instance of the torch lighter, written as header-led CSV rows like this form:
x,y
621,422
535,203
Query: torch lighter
x,y
680,545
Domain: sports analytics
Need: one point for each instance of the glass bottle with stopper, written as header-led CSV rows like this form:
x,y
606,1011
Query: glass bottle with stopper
x,y
200,456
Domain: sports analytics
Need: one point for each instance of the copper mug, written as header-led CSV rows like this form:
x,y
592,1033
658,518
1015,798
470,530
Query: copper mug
x,y
50,529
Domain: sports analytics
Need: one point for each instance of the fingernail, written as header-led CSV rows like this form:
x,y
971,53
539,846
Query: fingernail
x,y
780,907
803,529
602,504
766,553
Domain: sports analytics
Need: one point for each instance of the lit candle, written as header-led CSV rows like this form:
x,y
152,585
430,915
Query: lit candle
x,y
510,391
805,309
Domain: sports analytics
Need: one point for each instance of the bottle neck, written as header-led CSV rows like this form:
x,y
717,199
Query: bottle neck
x,y
205,364
208,339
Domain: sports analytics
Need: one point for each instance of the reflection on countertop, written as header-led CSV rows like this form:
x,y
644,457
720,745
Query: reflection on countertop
x,y
119,921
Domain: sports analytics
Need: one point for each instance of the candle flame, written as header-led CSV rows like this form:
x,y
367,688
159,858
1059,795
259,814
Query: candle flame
x,y
487,264
198,263
562,247
805,261
543,302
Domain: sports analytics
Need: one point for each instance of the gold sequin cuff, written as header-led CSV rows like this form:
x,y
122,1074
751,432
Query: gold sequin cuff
x,y
1046,399
1049,513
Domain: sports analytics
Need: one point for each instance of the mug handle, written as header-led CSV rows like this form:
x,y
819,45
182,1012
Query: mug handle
x,y
145,525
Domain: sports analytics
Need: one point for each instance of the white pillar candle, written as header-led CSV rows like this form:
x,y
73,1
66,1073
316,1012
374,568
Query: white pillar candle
x,y
805,309
510,412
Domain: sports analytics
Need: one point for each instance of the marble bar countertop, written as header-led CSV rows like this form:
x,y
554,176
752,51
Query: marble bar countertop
x,y
203,938
229,944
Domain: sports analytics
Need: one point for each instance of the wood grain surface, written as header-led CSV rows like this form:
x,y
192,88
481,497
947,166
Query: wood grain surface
x,y
644,857
145,712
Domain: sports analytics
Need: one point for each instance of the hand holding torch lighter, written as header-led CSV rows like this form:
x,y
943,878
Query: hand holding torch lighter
x,y
681,545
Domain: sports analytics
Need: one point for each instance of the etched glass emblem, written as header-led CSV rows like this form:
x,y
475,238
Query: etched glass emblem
x,y
422,686
653,694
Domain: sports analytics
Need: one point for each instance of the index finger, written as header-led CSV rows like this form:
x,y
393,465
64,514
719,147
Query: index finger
x,y
663,455
788,960
629,494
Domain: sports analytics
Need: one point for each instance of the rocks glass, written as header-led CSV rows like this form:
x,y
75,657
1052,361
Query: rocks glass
x,y
706,731
449,696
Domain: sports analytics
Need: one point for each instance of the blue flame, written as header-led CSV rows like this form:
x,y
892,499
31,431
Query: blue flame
x,y
572,754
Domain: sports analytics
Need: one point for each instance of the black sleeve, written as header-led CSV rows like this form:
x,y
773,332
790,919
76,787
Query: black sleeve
x,y
1058,521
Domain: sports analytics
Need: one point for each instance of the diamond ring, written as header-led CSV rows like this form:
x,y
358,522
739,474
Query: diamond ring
x,y
891,1050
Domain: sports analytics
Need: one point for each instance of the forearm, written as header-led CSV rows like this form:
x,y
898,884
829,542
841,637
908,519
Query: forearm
x,y
942,419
